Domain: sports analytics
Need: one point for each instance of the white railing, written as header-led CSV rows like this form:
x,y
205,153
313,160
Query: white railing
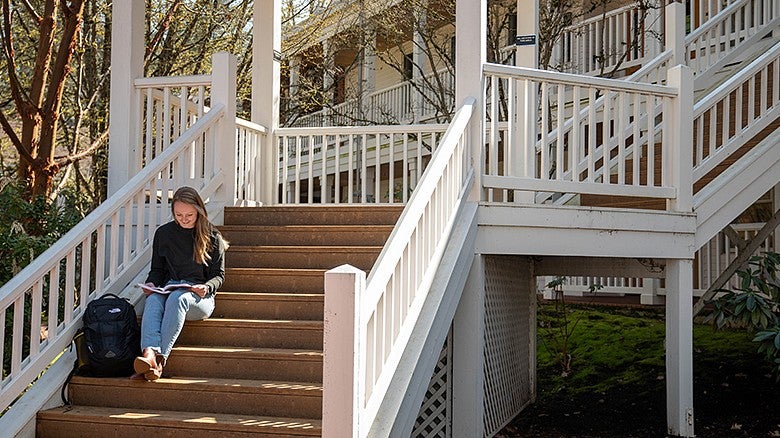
x,y
100,254
572,162
386,311
718,253
723,34
251,161
374,164
166,107
618,39
400,103
736,111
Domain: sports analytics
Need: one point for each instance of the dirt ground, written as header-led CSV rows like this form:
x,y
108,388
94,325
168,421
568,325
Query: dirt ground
x,y
730,400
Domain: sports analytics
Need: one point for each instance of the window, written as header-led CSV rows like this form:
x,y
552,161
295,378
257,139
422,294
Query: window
x,y
408,66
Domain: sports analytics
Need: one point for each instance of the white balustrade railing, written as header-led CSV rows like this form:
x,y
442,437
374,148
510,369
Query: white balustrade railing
x,y
722,34
737,110
374,164
717,254
630,116
618,39
250,161
397,287
166,107
100,254
403,102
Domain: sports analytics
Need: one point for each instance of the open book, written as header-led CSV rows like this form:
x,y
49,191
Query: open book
x,y
164,290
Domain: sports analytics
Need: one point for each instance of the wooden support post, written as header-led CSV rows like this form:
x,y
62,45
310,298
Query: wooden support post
x,y
679,347
468,331
127,63
266,57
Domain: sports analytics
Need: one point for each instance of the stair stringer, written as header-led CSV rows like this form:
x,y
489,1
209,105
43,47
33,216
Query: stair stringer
x,y
401,405
728,195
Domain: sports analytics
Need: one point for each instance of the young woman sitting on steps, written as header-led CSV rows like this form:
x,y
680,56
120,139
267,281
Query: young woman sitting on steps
x,y
190,250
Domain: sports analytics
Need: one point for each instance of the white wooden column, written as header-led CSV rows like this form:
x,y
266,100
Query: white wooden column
x,y
127,63
266,48
526,55
679,347
675,31
327,82
420,65
223,91
470,55
368,74
468,346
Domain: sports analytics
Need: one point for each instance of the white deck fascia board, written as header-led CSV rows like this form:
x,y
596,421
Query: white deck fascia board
x,y
585,231
599,266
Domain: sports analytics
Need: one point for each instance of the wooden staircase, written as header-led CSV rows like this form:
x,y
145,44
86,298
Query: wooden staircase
x,y
255,367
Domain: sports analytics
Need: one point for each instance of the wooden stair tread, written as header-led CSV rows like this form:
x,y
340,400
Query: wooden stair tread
x,y
301,324
185,420
228,351
206,384
265,296
306,228
305,248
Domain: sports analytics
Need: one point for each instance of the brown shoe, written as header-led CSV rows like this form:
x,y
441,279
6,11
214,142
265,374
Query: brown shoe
x,y
147,365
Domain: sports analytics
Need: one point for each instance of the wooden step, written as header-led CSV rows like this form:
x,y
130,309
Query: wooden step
x,y
201,394
253,333
307,235
313,214
246,363
245,305
274,280
83,421
319,257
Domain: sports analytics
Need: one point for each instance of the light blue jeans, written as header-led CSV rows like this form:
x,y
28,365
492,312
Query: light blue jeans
x,y
164,317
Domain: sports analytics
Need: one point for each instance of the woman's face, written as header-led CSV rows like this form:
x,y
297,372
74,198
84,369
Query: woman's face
x,y
185,214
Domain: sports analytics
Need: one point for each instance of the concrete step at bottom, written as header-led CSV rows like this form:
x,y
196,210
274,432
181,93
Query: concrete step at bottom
x,y
253,333
202,394
94,421
269,306
246,363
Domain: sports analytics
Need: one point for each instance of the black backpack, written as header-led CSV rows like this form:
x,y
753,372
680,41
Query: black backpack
x,y
108,342
112,337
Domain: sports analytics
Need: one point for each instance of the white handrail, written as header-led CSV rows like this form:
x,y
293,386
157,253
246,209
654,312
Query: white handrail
x,y
373,335
762,109
115,260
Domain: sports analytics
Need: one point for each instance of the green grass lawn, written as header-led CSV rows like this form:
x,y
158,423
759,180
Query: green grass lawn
x,y
616,383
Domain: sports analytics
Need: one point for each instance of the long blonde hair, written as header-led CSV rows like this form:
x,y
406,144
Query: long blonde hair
x,y
203,227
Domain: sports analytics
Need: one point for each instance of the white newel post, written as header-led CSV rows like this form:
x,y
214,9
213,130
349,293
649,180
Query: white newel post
x,y
674,38
127,61
678,138
223,92
679,347
522,147
266,49
343,366
368,74
470,55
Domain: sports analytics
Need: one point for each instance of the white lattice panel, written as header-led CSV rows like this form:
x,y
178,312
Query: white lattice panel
x,y
434,419
509,324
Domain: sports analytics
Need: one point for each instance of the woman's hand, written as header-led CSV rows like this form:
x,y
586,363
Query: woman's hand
x,y
148,292
200,290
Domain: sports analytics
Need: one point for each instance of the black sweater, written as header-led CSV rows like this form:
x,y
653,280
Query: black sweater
x,y
172,258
